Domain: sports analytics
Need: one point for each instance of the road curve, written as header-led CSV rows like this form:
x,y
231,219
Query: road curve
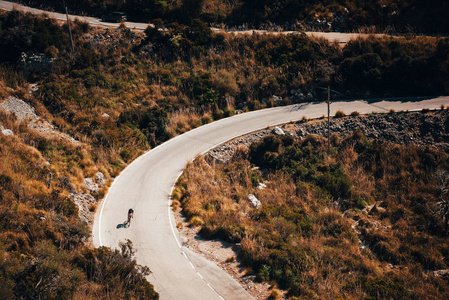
x,y
146,184
336,37
8,6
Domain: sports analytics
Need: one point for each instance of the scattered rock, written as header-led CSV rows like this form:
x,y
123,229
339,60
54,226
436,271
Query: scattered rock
x,y
83,201
33,88
400,128
277,99
48,130
25,112
100,179
262,186
7,132
254,201
105,115
278,131
249,278
91,185
439,273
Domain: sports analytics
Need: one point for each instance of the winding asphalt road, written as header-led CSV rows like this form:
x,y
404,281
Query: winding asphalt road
x,y
146,184
337,37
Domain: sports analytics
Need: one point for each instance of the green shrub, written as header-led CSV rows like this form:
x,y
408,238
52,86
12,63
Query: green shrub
x,y
384,288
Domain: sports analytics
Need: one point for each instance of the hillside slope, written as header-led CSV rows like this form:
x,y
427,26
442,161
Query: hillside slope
x,y
95,109
366,221
337,15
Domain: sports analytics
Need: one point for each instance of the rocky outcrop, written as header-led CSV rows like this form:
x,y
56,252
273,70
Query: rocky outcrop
x,y
25,112
91,185
21,109
35,63
418,128
100,179
84,202
254,201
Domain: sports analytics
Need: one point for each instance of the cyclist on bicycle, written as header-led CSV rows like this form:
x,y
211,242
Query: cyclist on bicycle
x,y
130,214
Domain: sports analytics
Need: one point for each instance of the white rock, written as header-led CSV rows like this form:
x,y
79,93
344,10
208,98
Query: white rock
x,y
83,201
91,185
20,108
254,201
262,186
7,132
278,131
100,179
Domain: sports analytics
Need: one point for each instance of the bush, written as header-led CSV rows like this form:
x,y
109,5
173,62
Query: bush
x,y
339,114
383,288
125,280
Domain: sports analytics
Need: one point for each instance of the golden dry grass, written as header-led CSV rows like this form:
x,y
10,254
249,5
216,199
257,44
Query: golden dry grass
x,y
333,264
186,119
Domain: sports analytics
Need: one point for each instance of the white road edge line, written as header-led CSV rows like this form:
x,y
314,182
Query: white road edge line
x,y
177,240
107,197
169,212
173,187
171,192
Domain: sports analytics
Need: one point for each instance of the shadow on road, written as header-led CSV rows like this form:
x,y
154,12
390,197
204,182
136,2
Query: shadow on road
x,y
371,101
122,225
296,107
401,99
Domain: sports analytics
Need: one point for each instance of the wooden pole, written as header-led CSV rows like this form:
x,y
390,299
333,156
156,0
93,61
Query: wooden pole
x,y
328,119
68,23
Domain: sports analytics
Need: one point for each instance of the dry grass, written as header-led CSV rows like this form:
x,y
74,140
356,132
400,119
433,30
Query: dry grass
x,y
186,119
362,183
321,243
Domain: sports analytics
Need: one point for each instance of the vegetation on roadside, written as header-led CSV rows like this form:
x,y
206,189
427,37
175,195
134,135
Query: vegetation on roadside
x,y
121,92
361,222
43,251
106,90
338,15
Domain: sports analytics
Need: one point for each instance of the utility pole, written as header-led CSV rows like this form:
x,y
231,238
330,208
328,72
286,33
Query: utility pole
x,y
328,118
68,23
